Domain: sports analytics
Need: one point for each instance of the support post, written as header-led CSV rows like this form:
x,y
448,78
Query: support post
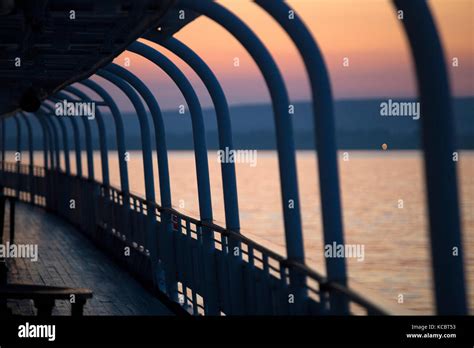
x,y
225,143
284,133
201,162
438,149
165,246
324,130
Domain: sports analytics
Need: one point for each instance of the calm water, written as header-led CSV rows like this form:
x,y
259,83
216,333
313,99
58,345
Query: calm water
x,y
395,240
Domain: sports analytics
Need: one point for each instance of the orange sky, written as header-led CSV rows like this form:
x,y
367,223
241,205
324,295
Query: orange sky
x,y
365,31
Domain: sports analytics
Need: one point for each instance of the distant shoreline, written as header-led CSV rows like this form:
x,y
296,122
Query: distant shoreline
x,y
359,126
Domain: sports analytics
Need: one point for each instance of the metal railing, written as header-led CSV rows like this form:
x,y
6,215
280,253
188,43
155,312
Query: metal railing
x,y
119,223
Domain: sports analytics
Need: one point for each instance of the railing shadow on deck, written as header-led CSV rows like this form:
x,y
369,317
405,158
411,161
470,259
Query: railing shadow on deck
x,y
119,224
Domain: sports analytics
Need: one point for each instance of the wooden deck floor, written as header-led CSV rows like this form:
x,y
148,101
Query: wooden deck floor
x,y
67,258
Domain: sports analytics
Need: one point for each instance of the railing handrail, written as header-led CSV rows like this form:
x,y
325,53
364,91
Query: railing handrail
x,y
324,284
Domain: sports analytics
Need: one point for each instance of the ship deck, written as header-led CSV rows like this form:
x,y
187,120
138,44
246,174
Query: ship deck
x,y
69,259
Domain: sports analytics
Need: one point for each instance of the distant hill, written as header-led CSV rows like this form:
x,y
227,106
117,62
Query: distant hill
x,y
359,125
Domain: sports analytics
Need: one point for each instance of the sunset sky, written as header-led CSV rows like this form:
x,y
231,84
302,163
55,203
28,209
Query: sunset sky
x,y
366,31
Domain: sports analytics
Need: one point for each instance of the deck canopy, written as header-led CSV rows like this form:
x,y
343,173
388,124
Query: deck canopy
x,y
46,45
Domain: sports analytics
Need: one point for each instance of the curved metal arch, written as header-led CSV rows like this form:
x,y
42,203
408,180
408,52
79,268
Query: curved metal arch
x,y
76,133
284,135
200,155
163,172
45,141
89,151
48,142
45,115
229,184
65,137
55,136
228,169
144,129
147,163
30,153
47,159
199,135
18,134
29,132
53,141
283,125
119,130
201,163
324,129
60,189
440,169
102,135
18,150
160,136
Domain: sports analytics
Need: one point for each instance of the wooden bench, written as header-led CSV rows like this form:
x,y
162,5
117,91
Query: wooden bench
x,y
44,296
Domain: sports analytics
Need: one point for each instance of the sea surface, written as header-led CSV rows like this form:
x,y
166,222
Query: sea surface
x,y
394,233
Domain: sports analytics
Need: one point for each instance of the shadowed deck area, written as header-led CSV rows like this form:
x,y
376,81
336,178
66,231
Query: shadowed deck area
x,y
67,258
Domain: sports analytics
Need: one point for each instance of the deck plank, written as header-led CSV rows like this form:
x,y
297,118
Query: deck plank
x,y
67,258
